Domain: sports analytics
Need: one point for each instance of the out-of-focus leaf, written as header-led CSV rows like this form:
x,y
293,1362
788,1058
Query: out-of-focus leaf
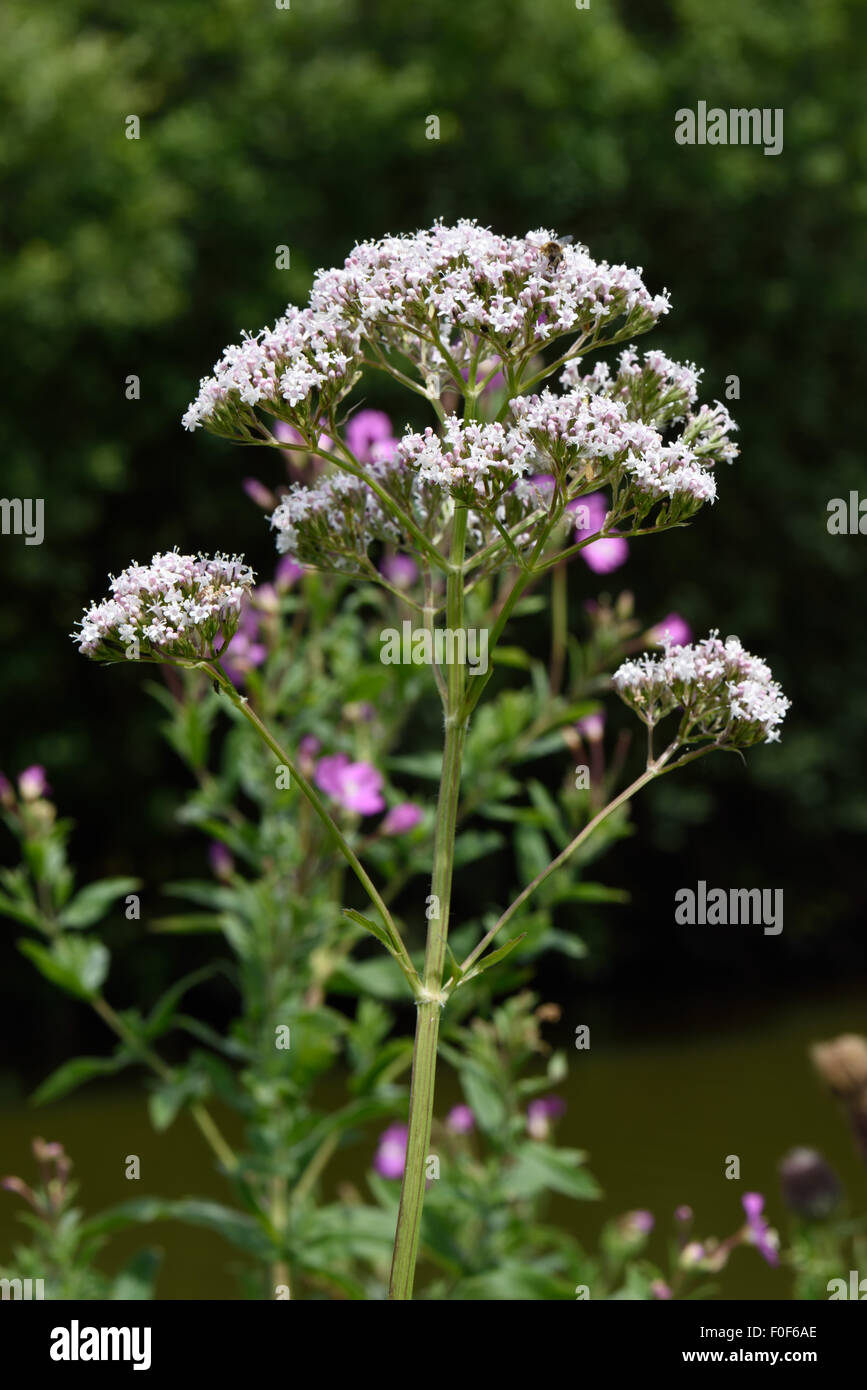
x,y
92,903
75,1073
79,966
539,1167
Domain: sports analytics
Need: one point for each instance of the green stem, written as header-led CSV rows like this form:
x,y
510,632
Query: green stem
x,y
651,771
430,1002
242,704
207,1126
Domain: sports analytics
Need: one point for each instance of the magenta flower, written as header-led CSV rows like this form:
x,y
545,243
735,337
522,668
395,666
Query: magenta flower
x,y
286,573
390,1157
401,818
260,494
461,1120
606,554
592,727
245,653
753,1204
356,786
660,1289
483,372
287,435
365,429
676,628
400,570
266,599
221,862
541,1112
603,555
32,783
639,1223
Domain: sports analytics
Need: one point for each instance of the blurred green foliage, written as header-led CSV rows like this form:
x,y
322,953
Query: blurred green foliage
x,y
306,127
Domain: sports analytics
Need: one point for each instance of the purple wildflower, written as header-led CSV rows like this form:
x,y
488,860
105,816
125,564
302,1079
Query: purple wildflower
x,y
461,1120
365,429
32,783
673,627
401,818
753,1204
390,1157
400,570
356,786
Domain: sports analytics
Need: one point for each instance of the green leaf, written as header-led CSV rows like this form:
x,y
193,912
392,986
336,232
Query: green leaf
x,y
487,961
454,965
92,903
27,915
76,965
513,1282
512,656
187,922
168,1097
475,844
75,1073
483,1097
375,928
163,1011
589,893
234,1226
137,1278
427,765
539,1167
378,977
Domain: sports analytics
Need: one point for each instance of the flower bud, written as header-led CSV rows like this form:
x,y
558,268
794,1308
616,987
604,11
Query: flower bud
x,y
810,1186
842,1064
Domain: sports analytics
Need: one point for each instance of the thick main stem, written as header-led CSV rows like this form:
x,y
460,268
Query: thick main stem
x,y
424,1057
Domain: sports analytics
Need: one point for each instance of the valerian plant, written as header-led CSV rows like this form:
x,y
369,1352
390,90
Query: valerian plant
x,y
305,649
501,489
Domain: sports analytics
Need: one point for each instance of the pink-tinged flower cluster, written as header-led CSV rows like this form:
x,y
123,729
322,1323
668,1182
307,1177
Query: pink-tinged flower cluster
x,y
296,371
333,524
432,295
659,388
465,282
725,694
177,606
473,462
594,433
356,787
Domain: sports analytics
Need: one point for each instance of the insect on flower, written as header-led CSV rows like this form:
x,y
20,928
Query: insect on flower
x,y
553,251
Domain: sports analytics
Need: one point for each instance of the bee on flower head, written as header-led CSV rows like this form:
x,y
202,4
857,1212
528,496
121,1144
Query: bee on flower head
x,y
553,251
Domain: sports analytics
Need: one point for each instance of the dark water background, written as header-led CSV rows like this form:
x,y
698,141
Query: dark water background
x,y
668,1089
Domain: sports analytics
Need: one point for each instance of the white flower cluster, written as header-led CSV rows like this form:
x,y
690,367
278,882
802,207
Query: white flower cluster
x,y
658,376
521,290
178,605
726,694
585,433
298,368
431,295
333,524
472,461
